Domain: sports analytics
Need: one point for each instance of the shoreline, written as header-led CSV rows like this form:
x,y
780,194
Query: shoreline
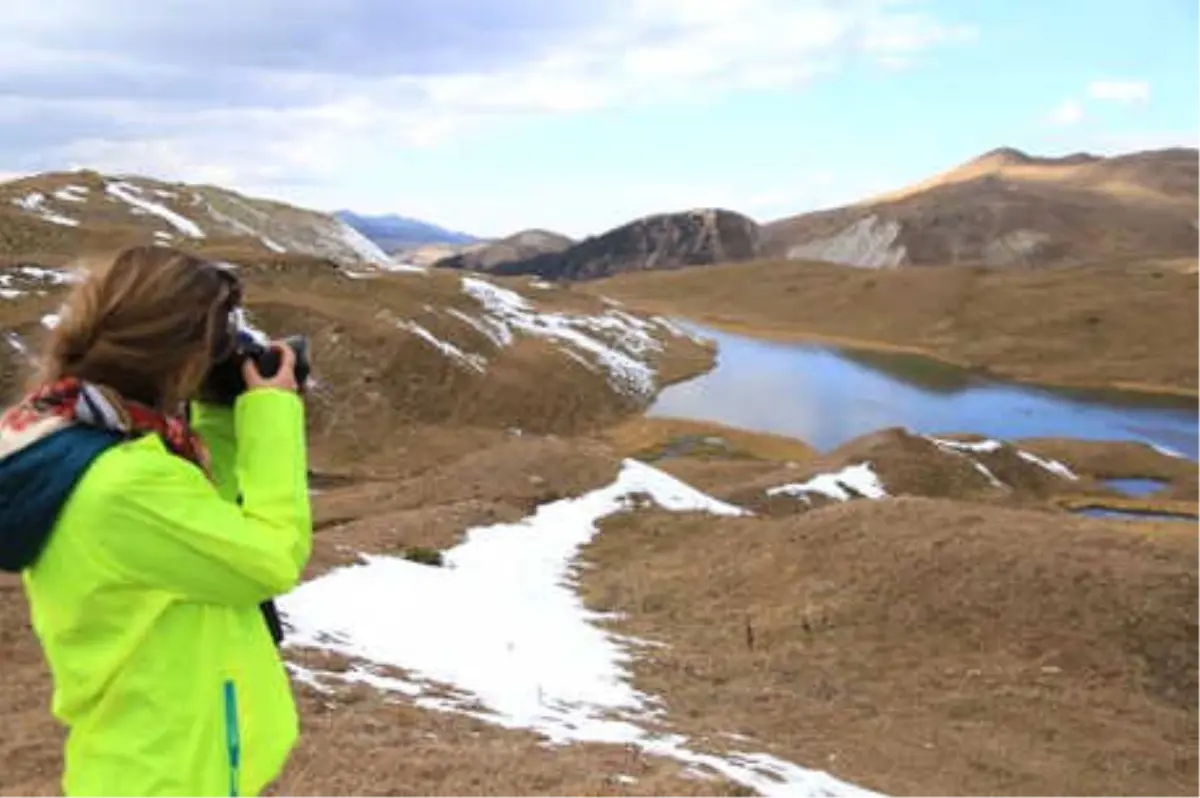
x,y
781,335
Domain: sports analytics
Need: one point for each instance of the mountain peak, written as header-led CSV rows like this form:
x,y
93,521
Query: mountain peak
x,y
1003,156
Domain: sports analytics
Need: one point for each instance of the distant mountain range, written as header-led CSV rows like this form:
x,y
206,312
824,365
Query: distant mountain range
x,y
662,241
1003,208
392,232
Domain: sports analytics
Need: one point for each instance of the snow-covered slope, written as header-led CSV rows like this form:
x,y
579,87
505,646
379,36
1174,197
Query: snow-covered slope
x,y
503,626
92,206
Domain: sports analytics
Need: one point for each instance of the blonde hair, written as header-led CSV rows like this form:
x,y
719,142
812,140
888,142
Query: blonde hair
x,y
143,322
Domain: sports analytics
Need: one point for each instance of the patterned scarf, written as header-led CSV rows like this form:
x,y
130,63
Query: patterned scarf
x,y
73,401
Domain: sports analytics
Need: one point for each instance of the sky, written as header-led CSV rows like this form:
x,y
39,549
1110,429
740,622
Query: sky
x,y
495,116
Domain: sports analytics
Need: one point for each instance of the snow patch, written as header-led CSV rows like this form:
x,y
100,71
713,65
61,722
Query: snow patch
x,y
16,343
35,203
11,288
968,446
840,485
1053,466
629,336
50,320
476,362
72,193
131,194
398,267
495,331
522,644
242,227
363,247
964,448
1164,450
867,242
541,285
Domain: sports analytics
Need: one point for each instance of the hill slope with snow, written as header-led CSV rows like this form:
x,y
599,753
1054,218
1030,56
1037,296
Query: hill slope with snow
x,y
53,217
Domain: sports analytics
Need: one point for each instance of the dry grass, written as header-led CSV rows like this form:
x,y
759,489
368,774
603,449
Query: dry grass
x,y
922,646
655,438
381,389
1125,325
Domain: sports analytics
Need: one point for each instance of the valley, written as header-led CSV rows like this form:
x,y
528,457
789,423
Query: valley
x,y
673,514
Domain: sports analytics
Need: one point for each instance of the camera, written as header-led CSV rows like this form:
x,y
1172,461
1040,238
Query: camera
x,y
224,382
267,360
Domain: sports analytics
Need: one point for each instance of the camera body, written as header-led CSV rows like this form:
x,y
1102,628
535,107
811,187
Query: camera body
x,y
224,382
267,360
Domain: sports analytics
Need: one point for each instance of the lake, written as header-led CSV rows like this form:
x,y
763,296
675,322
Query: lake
x,y
827,396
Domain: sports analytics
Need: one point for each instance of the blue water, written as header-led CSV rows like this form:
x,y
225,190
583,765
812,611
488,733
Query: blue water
x,y
1132,515
1136,487
827,396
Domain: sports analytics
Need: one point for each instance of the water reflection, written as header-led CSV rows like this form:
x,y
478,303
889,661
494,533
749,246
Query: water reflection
x,y
1132,515
827,396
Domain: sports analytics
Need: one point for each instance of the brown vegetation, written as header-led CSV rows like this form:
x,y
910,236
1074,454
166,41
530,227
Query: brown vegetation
x,y
922,646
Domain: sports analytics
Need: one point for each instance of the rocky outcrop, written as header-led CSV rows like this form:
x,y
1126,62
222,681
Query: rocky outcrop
x,y
666,241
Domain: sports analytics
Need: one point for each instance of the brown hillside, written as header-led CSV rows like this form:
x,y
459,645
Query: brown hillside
x,y
398,353
1114,323
919,646
1007,208
55,217
487,256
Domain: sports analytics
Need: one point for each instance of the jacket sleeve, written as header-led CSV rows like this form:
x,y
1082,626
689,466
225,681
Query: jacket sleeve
x,y
161,523
215,426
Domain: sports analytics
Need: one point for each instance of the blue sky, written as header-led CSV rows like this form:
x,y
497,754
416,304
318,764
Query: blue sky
x,y
495,116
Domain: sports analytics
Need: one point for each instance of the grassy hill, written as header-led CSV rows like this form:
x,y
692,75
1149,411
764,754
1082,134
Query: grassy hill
x,y
1010,208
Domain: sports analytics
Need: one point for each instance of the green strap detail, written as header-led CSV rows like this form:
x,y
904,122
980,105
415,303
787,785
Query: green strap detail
x,y
232,740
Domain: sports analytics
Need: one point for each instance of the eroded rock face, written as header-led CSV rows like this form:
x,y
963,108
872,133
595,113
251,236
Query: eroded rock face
x,y
665,241
869,242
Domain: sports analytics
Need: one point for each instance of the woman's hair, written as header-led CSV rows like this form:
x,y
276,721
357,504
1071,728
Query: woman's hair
x,y
143,322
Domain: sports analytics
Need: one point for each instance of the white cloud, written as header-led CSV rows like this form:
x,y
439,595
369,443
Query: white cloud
x,y
300,90
1069,113
1122,91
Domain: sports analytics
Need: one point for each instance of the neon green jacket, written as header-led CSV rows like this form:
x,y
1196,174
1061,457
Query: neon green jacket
x,y
146,602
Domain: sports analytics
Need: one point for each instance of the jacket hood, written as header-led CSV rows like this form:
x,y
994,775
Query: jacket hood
x,y
35,481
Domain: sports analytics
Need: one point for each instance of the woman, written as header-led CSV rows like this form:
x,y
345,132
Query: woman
x,y
147,541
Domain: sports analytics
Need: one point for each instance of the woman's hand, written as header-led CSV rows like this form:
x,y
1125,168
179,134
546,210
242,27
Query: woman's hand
x,y
283,379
